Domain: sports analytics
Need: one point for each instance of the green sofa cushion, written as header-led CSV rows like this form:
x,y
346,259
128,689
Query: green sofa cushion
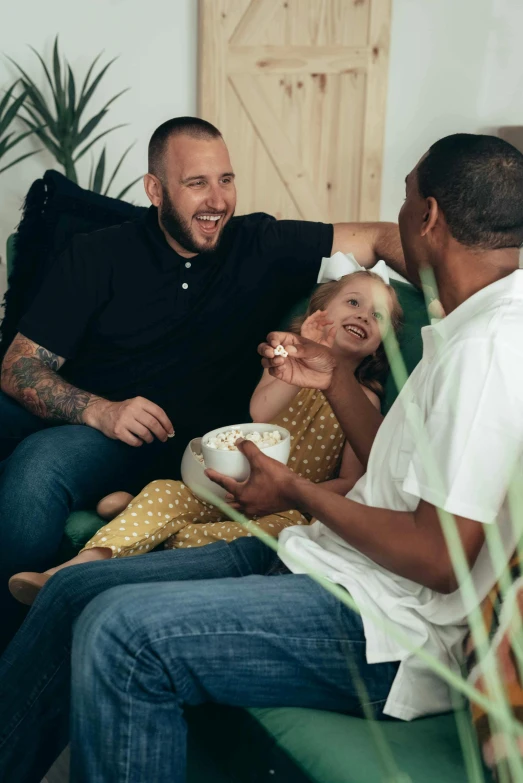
x,y
427,750
294,745
415,317
79,528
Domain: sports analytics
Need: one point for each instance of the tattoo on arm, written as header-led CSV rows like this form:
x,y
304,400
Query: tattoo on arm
x,y
30,375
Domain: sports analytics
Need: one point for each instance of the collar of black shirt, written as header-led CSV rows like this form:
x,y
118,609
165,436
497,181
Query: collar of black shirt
x,y
165,254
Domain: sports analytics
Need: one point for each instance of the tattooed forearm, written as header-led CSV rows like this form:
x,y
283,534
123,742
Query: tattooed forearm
x,y
29,374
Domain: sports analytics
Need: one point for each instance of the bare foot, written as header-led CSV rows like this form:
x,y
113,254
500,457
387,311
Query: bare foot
x,y
26,585
111,505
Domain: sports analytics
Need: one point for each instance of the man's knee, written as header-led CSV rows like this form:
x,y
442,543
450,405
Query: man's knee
x,y
101,621
36,461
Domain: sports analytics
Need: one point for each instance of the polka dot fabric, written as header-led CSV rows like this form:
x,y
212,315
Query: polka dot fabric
x,y
166,512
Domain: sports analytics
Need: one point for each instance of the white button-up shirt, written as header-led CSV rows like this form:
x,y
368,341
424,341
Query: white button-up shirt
x,y
467,395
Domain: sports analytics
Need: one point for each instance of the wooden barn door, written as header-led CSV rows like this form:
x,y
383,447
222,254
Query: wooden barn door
x,y
298,89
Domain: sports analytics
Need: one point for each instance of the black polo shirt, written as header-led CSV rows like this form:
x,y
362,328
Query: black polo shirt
x,y
132,317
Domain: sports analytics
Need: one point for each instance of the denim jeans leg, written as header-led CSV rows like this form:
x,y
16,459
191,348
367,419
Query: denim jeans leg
x,y
49,474
141,654
16,423
35,668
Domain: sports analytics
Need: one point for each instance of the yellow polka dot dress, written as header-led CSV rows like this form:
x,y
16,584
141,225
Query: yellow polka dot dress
x,y
166,512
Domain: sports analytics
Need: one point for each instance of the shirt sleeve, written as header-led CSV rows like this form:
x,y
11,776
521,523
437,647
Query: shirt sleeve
x,y
71,293
295,248
474,431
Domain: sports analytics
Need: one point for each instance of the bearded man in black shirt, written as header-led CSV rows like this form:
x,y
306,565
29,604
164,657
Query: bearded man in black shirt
x,y
146,329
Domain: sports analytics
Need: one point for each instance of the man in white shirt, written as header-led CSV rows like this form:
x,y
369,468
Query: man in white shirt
x,y
452,441
178,630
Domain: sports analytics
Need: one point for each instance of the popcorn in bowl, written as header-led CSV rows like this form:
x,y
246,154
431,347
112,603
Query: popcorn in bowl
x,y
226,440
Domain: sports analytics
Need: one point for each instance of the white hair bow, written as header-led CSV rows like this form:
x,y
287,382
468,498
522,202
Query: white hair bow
x,y
341,264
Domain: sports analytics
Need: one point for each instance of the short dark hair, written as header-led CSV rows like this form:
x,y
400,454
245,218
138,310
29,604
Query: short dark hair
x,y
191,126
477,181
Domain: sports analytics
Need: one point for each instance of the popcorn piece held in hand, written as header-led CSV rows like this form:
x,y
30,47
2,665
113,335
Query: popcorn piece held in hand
x,y
280,351
226,440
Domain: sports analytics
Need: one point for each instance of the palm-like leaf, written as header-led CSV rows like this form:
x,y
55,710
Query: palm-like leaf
x,y
97,176
18,160
9,108
59,123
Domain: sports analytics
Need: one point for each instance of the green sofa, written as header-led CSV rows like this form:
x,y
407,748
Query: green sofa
x,y
255,745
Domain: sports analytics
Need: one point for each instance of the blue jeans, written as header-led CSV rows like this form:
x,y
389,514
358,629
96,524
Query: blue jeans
x,y
154,639
47,472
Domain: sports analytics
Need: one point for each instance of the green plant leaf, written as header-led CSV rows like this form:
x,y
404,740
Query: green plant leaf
x,y
7,97
57,70
128,187
48,76
89,126
88,74
18,160
99,174
36,97
97,138
117,168
87,95
37,104
4,143
44,66
53,148
7,146
11,113
71,90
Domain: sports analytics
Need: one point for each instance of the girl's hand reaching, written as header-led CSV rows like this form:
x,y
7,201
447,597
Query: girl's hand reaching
x,y
318,328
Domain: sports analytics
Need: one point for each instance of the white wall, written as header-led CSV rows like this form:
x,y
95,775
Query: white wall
x,y
455,65
435,76
156,41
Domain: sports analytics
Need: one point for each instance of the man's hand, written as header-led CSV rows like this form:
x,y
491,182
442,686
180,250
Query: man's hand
x,y
269,488
309,364
134,421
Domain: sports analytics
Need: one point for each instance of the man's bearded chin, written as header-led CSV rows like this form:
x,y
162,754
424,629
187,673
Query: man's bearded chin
x,y
180,230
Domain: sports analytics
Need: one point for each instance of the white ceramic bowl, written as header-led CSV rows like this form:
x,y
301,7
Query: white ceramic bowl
x,y
193,474
233,463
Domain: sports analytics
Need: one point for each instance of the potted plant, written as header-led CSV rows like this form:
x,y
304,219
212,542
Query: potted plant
x,y
61,123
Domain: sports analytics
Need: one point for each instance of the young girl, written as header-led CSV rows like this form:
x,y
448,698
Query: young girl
x,y
351,315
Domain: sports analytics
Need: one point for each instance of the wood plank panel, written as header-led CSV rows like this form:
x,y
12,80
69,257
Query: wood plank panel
x,y
298,88
298,59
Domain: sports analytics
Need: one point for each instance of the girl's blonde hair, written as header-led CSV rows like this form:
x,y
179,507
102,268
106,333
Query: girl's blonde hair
x,y
373,370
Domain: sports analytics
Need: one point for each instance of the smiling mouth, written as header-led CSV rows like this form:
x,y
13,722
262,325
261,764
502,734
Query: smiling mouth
x,y
208,223
357,331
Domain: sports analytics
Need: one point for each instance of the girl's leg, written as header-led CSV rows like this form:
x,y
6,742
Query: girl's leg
x,y
161,509
194,534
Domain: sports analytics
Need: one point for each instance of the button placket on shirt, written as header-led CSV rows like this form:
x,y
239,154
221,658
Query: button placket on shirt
x,y
188,265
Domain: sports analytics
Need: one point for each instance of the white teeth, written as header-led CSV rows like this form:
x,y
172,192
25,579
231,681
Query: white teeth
x,y
208,217
358,332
